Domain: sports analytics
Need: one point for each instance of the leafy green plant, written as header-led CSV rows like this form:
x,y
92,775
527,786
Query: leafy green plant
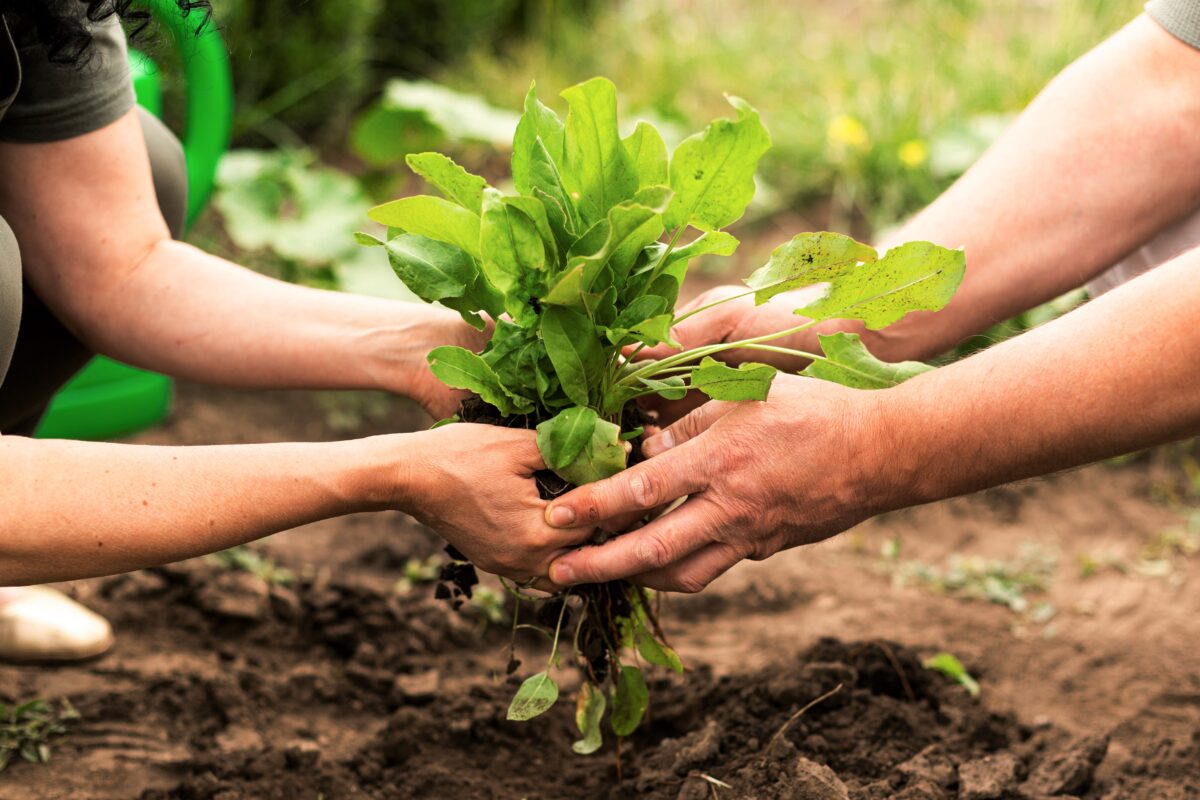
x,y
949,665
580,270
26,730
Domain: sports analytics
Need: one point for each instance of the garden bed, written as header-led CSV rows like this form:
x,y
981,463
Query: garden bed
x,y
336,685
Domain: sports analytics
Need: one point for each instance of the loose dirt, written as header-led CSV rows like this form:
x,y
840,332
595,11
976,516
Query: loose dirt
x,y
337,685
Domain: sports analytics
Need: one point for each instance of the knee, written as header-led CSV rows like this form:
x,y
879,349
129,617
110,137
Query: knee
x,y
169,170
10,295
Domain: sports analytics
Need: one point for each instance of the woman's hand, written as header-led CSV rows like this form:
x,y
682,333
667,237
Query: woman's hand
x,y
474,485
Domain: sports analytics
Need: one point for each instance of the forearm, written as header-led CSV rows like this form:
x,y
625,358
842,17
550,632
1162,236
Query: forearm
x,y
80,509
193,315
1116,375
1104,158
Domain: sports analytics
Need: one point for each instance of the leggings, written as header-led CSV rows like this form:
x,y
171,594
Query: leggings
x,y
38,354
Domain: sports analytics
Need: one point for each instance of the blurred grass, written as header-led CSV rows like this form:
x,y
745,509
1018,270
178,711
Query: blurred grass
x,y
859,95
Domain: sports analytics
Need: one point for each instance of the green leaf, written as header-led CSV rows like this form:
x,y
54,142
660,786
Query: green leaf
x,y
568,288
589,710
656,330
432,217
648,154
598,171
514,254
640,310
462,369
716,243
849,363
575,351
951,667
630,700
712,172
562,438
433,270
441,423
748,382
536,695
518,356
669,388
654,651
450,179
807,259
602,456
917,276
538,124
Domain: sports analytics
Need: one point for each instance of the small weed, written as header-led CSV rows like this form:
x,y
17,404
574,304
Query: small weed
x,y
243,558
418,572
1006,582
949,665
26,729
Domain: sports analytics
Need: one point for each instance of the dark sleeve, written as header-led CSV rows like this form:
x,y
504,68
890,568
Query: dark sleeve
x,y
1181,18
60,101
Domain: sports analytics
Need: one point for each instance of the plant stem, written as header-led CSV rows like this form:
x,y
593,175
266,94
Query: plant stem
x,y
562,612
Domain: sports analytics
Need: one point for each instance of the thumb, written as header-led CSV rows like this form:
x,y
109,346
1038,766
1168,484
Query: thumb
x,y
687,427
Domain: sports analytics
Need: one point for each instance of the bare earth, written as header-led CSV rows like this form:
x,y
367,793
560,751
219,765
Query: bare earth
x,y
335,685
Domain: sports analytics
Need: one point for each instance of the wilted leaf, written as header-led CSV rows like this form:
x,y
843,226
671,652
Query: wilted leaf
x,y
536,696
848,362
589,710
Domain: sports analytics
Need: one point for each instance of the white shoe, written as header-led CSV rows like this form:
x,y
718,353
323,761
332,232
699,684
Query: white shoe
x,y
41,624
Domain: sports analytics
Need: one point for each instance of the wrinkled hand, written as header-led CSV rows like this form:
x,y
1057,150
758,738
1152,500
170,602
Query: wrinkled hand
x,y
731,322
760,477
473,484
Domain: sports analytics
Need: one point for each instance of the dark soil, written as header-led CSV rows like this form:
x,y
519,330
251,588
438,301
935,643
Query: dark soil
x,y
222,687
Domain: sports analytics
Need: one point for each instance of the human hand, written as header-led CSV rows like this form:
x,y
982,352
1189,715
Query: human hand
x,y
731,321
416,380
760,478
473,484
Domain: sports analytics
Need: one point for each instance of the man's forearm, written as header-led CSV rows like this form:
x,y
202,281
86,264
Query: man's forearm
x,y
80,509
196,316
1116,375
1104,158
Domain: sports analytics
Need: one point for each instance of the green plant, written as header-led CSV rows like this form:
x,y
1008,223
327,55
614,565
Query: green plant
x,y
949,665
240,557
26,729
575,272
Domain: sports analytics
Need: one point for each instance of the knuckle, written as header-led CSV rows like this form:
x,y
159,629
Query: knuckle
x,y
646,488
688,583
654,550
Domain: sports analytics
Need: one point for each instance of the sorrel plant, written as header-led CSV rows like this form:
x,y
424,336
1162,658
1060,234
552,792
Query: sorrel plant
x,y
579,271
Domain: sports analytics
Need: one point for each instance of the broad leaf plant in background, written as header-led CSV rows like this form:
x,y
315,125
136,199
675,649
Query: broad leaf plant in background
x,y
580,270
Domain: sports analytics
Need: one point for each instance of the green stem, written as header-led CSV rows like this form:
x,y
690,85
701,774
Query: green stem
x,y
700,352
716,303
562,612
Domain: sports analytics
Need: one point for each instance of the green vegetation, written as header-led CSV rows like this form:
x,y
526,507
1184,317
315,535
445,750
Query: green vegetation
x,y
27,729
949,665
580,270
241,557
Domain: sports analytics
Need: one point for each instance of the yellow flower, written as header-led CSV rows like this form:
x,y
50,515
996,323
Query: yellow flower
x,y
846,131
913,153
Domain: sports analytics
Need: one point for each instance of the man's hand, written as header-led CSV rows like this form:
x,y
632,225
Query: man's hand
x,y
732,321
473,484
760,477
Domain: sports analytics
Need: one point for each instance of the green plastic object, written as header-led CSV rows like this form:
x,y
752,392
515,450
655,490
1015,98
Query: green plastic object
x,y
108,399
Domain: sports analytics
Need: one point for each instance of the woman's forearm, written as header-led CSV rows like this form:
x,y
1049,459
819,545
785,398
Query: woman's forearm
x,y
81,509
197,316
1104,158
1117,375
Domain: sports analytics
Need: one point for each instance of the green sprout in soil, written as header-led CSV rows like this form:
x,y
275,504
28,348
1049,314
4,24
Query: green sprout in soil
x,y
580,270
949,665
26,729
240,557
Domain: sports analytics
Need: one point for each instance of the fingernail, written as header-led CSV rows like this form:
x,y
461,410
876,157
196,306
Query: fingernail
x,y
562,574
560,516
659,444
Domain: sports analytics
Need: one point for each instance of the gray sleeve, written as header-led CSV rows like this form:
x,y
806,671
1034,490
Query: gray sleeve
x,y
61,101
1181,18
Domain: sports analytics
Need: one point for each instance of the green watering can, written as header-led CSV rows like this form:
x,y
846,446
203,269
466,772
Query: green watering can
x,y
108,399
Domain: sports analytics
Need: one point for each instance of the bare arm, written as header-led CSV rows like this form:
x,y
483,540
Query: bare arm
x,y
1106,156
97,251
1115,375
79,509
